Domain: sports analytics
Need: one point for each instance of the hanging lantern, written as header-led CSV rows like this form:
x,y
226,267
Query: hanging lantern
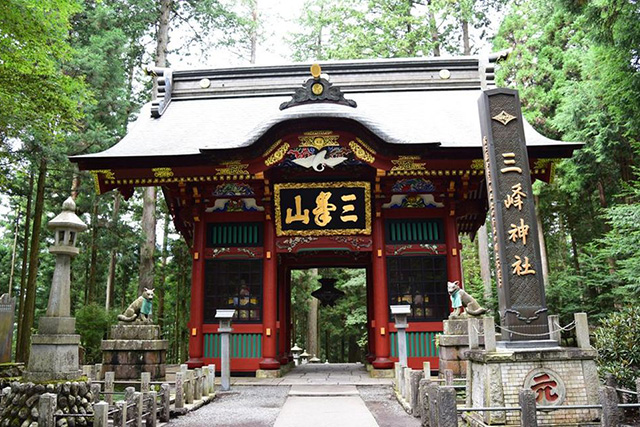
x,y
328,294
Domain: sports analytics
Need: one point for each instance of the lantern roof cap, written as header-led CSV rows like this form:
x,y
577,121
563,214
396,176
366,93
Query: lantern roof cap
x,y
68,218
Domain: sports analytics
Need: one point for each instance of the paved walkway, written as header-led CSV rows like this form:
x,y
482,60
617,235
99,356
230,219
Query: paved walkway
x,y
312,395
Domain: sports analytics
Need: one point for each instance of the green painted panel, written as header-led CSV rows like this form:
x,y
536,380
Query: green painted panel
x,y
242,345
419,344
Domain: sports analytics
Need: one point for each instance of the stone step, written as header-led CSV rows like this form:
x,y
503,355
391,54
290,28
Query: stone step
x,y
323,390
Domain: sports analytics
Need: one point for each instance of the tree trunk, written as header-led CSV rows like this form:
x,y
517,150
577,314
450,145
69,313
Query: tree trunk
x,y
254,31
543,244
146,276
435,38
111,278
485,263
13,252
91,283
30,297
163,272
466,46
23,271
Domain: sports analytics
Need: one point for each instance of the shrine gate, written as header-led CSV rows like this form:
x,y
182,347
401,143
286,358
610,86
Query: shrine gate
x,y
267,169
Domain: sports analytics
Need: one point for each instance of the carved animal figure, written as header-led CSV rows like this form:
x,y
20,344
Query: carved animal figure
x,y
140,309
318,161
463,302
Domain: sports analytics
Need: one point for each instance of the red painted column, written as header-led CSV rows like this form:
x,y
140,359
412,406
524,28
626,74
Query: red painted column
x,y
454,268
380,294
197,295
289,325
269,295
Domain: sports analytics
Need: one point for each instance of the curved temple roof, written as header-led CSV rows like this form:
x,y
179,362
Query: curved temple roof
x,y
406,101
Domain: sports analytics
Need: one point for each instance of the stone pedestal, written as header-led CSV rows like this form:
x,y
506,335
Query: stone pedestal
x,y
54,351
133,349
557,376
454,345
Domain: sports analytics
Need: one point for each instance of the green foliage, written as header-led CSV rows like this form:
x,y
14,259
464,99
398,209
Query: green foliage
x,y
36,94
337,29
618,343
93,323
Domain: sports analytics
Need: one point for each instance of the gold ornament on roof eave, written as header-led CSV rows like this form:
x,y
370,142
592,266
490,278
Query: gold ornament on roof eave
x,y
503,117
233,167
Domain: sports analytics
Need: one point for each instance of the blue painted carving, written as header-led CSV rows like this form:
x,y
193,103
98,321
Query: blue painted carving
x,y
233,189
413,185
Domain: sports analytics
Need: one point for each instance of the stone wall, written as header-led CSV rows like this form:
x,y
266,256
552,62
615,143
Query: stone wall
x,y
19,404
497,378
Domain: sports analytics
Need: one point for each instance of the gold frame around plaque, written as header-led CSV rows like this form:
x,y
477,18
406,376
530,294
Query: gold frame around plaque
x,y
346,231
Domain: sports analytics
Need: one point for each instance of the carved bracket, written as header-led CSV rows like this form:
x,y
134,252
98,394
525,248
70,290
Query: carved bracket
x,y
163,77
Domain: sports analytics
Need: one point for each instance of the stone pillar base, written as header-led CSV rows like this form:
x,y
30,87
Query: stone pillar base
x,y
53,357
270,373
381,373
134,349
558,376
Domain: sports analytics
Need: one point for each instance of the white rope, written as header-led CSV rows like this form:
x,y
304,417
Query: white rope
x,y
568,327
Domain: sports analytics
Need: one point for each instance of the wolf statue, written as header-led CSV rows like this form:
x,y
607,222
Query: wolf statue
x,y
140,309
462,302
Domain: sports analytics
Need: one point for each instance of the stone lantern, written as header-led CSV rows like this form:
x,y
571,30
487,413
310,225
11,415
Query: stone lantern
x,y
296,354
400,313
304,357
54,349
225,316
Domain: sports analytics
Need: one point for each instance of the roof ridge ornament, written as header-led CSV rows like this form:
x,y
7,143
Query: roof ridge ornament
x,y
162,96
317,89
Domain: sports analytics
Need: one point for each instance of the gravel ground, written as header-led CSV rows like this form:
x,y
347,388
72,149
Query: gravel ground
x,y
385,408
240,407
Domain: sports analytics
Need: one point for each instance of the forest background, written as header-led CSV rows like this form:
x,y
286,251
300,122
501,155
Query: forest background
x,y
71,80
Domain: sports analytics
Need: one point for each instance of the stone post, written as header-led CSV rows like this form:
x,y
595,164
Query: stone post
x,y
400,313
189,387
205,380
197,389
152,409
87,371
447,413
400,379
426,367
554,328
582,330
432,392
7,310
97,369
120,416
489,328
95,392
145,382
424,401
407,379
212,383
179,400
414,393
474,333
54,349
528,415
101,414
448,377
610,411
138,409
47,409
184,367
165,402
109,378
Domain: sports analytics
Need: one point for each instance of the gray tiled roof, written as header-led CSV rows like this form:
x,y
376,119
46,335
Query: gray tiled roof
x,y
402,102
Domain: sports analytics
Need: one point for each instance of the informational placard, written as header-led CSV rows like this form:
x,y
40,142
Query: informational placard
x,y
521,296
323,208
7,307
